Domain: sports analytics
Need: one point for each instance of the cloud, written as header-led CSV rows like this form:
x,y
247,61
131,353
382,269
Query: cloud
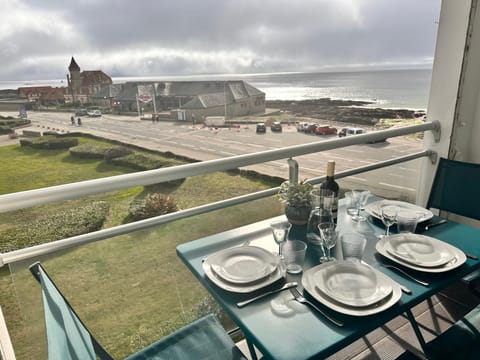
x,y
157,38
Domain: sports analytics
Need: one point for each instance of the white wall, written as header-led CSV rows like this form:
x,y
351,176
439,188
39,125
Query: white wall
x,y
447,67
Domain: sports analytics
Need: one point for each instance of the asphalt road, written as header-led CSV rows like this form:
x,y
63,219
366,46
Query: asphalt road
x,y
201,143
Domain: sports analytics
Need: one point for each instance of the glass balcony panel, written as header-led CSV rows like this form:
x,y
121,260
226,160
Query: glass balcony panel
x,y
130,290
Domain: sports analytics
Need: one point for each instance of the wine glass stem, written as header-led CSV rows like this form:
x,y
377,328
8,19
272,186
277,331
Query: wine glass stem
x,y
387,231
328,253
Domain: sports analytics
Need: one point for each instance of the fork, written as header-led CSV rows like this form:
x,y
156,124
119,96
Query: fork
x,y
301,299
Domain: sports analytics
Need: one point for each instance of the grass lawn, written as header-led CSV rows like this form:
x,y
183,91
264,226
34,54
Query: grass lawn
x,y
132,289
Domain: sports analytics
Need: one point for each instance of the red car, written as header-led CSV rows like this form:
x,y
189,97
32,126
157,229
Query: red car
x,y
325,130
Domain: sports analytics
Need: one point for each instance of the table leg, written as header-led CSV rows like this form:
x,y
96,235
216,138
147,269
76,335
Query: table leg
x,y
416,329
251,349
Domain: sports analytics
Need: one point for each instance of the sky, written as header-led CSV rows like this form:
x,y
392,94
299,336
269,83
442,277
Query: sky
x,y
156,38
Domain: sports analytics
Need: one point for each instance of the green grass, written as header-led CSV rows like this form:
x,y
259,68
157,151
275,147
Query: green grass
x,y
131,290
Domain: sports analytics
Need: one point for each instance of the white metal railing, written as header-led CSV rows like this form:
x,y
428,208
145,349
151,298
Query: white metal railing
x,y
6,347
31,198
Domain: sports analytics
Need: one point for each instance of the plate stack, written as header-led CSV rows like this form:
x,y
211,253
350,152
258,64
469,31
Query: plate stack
x,y
351,288
419,252
243,269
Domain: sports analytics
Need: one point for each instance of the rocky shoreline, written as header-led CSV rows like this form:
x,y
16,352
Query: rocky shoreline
x,y
349,111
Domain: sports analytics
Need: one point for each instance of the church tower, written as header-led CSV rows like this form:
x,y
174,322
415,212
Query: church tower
x,y
74,79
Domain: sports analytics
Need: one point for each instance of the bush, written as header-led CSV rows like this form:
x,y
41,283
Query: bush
x,y
75,221
88,151
116,152
140,162
50,142
152,205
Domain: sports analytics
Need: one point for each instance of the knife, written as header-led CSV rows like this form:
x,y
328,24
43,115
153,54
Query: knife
x,y
431,225
261,296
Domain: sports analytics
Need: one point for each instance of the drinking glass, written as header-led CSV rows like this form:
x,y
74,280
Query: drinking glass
x,y
353,246
406,221
328,233
389,216
280,229
360,198
294,255
350,203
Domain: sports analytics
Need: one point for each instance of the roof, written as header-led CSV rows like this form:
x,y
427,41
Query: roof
x,y
205,101
95,77
73,65
108,91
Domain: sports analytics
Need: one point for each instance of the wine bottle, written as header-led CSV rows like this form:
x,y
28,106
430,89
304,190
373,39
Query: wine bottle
x,y
330,184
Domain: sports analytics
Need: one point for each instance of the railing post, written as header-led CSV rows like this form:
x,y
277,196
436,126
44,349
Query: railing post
x,y
292,171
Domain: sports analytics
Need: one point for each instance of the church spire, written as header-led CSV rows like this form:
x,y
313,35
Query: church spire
x,y
73,65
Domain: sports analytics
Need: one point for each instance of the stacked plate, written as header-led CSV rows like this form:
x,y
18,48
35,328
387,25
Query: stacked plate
x,y
351,288
243,269
419,252
375,209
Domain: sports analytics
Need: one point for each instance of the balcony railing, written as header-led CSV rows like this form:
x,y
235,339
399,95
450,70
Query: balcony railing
x,y
143,251
25,199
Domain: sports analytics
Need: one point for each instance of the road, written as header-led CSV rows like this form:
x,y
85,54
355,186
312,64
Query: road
x,y
398,181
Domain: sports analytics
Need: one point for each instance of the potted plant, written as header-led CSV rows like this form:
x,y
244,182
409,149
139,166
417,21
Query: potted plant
x,y
297,199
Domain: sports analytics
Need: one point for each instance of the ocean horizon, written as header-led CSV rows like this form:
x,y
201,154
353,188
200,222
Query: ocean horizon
x,y
392,89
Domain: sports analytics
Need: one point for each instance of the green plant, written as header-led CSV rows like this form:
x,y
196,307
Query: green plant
x,y
296,195
152,205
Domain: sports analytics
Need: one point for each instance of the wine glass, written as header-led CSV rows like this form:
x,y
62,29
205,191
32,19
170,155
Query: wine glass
x,y
328,233
360,198
280,229
389,216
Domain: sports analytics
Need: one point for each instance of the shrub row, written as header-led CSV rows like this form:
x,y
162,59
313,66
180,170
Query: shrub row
x,y
50,142
88,151
140,162
75,221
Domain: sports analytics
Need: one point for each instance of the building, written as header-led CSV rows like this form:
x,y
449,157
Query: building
x,y
83,84
187,99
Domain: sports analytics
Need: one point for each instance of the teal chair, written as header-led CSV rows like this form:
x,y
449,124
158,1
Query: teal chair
x,y
69,339
459,342
456,189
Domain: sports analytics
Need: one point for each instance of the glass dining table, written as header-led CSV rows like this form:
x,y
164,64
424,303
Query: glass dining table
x,y
306,334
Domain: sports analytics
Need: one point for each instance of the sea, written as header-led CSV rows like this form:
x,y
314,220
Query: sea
x,y
392,89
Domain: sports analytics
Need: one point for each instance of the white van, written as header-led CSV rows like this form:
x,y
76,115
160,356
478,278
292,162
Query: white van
x,y
350,131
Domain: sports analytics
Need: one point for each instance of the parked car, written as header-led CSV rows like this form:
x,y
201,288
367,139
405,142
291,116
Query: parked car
x,y
276,126
301,126
325,130
261,129
350,131
94,113
310,129
81,112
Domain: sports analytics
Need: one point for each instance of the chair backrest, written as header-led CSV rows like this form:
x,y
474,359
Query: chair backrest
x,y
67,336
456,188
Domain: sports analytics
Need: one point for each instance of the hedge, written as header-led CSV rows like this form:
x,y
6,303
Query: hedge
x,y
88,151
75,221
140,162
50,142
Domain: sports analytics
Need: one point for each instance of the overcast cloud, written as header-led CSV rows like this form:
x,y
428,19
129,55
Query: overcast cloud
x,y
185,37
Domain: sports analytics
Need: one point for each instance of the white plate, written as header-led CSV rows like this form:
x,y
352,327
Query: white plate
x,y
390,300
374,209
419,250
352,284
244,264
239,288
459,257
